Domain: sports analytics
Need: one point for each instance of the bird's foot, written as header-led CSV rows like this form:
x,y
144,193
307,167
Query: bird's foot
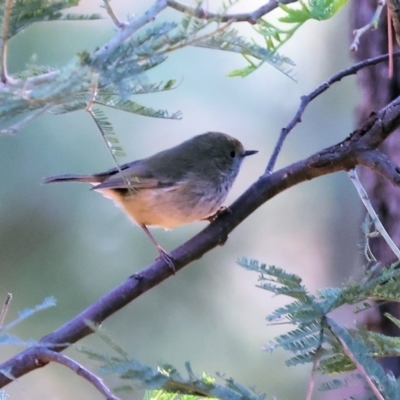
x,y
220,211
164,256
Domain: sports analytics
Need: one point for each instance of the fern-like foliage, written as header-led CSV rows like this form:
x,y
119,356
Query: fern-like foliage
x,y
111,77
26,12
164,382
315,336
168,380
275,35
11,340
107,132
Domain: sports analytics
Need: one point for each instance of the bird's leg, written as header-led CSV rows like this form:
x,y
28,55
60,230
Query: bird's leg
x,y
220,211
161,252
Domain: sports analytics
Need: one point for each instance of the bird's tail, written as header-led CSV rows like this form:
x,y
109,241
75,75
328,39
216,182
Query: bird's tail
x,y
73,178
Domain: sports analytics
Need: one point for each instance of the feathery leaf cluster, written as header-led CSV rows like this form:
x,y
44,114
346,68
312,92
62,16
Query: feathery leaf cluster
x,y
165,381
110,77
294,17
318,337
26,12
12,340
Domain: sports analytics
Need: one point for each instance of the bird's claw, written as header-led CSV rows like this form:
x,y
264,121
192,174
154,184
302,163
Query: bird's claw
x,y
169,260
220,211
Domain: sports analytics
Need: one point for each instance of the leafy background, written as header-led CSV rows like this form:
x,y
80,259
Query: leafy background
x,y
66,241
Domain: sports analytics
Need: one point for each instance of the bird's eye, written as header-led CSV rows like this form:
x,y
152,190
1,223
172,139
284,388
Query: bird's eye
x,y
233,154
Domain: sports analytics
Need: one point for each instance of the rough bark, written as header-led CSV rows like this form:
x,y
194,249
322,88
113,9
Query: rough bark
x,y
377,90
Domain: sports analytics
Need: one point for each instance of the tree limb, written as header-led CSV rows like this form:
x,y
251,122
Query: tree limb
x,y
340,157
45,356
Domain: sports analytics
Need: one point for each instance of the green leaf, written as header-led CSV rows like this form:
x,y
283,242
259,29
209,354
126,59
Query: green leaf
x,y
107,132
243,72
135,108
27,312
354,347
294,15
26,12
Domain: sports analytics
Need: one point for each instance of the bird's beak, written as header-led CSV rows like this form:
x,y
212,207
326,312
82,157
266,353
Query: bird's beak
x,y
250,152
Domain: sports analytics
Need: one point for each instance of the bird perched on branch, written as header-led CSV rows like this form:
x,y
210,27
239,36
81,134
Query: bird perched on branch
x,y
183,184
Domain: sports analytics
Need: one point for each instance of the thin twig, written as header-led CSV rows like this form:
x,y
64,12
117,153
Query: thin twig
x,y
34,114
372,24
316,360
41,79
95,90
6,25
90,111
354,359
305,100
374,216
4,310
112,15
250,17
196,40
46,356
390,43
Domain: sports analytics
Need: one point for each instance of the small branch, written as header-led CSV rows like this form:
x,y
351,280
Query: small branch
x,y
374,216
4,310
390,44
250,17
305,100
128,31
381,164
34,114
195,41
112,15
41,79
353,358
6,25
371,25
316,360
45,356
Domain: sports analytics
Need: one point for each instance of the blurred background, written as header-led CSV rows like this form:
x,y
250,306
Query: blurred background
x,y
71,243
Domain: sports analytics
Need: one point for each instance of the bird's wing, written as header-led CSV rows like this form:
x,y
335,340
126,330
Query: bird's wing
x,y
135,175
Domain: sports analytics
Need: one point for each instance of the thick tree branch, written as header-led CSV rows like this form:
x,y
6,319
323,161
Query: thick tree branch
x,y
341,157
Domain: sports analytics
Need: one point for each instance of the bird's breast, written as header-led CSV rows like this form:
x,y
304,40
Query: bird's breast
x,y
171,206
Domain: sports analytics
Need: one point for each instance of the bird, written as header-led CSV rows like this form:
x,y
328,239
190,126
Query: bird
x,y
186,183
